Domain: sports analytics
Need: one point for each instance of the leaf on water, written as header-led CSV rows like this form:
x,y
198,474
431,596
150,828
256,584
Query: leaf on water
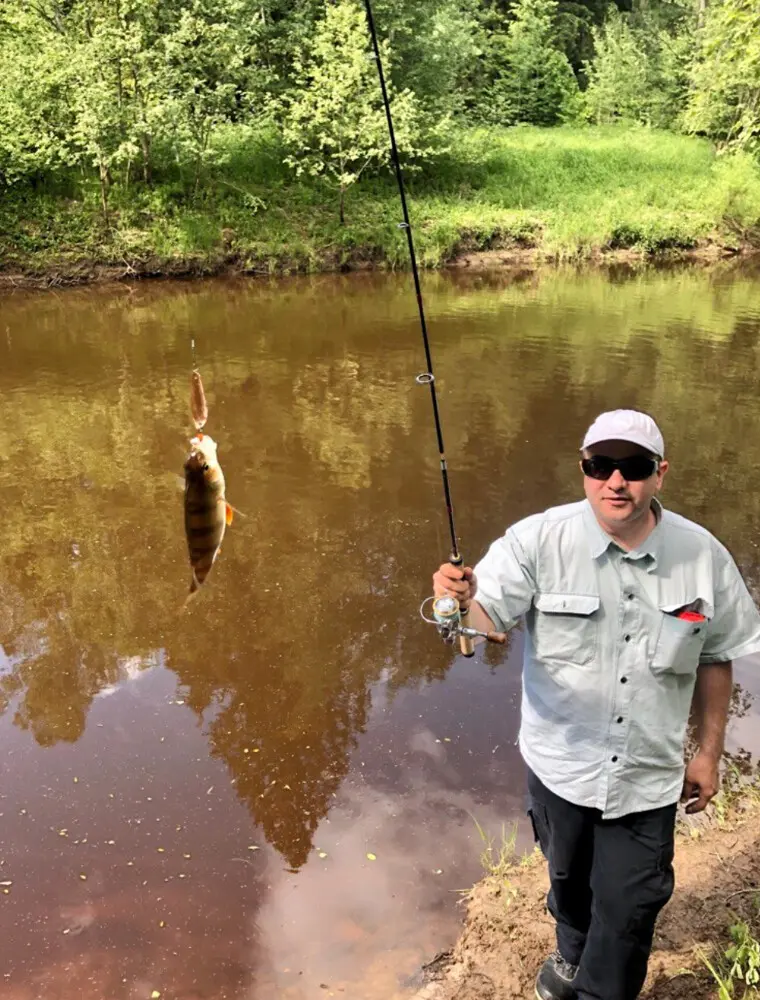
x,y
155,995
252,847
438,871
63,833
372,857
160,850
446,739
186,856
76,780
322,854
6,883
83,876
162,923
256,750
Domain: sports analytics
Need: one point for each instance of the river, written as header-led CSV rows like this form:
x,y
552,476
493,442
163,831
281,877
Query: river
x,y
275,792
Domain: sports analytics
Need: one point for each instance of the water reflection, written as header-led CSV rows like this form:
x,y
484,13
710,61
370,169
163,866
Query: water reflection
x,y
300,707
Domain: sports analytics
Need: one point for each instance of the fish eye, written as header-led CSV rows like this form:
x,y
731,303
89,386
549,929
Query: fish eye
x,y
205,467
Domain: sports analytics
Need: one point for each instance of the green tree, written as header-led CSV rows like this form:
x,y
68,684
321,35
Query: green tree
x,y
35,119
534,82
641,67
211,73
619,78
108,84
333,121
572,32
725,97
434,45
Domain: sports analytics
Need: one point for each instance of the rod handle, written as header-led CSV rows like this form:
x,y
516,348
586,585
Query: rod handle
x,y
466,645
500,638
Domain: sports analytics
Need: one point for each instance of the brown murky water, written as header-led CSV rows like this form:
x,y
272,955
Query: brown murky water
x,y
188,801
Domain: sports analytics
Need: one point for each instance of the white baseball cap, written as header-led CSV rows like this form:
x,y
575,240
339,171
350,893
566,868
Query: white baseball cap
x,y
626,425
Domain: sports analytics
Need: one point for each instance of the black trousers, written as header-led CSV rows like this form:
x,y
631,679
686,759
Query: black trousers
x,y
609,881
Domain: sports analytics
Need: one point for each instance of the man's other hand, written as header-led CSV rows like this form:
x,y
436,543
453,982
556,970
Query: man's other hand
x,y
701,782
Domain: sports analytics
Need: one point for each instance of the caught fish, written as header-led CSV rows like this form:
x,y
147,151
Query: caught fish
x,y
198,406
207,513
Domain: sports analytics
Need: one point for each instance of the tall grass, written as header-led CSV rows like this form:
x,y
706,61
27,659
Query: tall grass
x,y
736,972
568,192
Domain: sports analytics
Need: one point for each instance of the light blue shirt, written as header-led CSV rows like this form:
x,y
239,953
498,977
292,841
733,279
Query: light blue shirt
x,y
609,669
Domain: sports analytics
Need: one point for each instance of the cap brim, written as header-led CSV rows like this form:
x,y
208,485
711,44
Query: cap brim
x,y
631,438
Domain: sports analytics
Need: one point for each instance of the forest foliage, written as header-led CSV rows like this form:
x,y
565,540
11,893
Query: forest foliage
x,y
132,94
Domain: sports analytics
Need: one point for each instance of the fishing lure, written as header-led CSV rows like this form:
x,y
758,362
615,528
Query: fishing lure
x,y
198,405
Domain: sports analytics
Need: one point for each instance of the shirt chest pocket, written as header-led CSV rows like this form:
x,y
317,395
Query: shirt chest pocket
x,y
679,643
565,627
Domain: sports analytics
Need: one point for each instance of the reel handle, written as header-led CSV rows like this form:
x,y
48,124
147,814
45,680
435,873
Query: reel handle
x,y
500,638
466,645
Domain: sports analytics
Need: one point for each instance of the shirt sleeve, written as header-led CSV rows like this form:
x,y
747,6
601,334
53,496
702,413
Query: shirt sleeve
x,y
506,581
734,630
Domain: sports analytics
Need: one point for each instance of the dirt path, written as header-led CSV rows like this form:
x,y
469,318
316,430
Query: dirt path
x,y
507,932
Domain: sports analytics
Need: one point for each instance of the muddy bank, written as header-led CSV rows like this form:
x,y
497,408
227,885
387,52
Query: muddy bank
x,y
508,933
66,273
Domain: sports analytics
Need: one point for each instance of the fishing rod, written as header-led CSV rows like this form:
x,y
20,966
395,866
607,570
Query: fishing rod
x,y
449,618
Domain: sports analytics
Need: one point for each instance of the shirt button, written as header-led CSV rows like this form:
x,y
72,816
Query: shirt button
x,y
614,760
629,596
619,718
627,638
623,680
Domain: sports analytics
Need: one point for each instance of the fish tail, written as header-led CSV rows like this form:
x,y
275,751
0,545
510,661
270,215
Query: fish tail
x,y
194,588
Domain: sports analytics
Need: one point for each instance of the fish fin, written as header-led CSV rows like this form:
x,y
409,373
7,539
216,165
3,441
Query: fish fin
x,y
194,588
228,514
235,511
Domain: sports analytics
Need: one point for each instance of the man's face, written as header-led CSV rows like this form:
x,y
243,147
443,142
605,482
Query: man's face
x,y
619,502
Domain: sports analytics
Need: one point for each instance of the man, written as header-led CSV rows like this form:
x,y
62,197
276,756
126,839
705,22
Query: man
x,y
633,614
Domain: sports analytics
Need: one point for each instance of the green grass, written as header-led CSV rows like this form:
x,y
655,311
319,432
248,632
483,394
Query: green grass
x,y
567,192
736,971
497,858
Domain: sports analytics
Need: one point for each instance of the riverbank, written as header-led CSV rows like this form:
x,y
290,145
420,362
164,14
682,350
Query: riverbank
x,y
515,195
507,932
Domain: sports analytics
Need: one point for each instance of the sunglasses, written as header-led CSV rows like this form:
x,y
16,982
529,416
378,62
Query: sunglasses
x,y
632,469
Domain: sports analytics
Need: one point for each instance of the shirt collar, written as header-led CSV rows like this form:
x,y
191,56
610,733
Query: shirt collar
x,y
600,541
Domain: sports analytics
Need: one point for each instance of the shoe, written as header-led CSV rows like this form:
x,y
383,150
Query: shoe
x,y
555,980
